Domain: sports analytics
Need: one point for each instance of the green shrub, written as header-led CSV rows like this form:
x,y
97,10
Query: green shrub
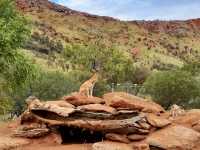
x,y
14,31
113,64
172,87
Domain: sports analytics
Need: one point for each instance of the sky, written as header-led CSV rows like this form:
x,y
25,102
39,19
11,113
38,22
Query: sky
x,y
138,9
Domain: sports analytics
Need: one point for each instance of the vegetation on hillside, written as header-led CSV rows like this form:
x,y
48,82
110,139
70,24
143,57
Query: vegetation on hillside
x,y
173,87
15,69
120,51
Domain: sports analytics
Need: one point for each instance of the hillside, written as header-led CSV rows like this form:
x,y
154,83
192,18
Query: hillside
x,y
157,44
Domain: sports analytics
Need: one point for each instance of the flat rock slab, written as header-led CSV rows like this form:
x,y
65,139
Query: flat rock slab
x,y
136,137
140,145
128,101
174,138
98,108
117,137
157,121
107,145
78,100
7,143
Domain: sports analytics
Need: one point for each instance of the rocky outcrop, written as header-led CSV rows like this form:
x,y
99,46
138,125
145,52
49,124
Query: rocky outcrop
x,y
7,143
31,5
174,138
107,145
126,101
127,121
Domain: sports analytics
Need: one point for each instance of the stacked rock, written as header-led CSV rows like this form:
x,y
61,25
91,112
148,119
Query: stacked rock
x,y
124,121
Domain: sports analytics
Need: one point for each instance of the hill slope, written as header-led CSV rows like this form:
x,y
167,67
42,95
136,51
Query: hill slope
x,y
157,44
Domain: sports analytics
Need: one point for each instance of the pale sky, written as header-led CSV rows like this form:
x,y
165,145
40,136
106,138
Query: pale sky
x,y
138,9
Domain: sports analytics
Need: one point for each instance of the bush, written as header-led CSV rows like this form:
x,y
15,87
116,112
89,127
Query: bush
x,y
113,64
14,30
172,87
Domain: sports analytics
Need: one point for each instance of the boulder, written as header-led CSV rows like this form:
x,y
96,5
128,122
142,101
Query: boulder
x,y
108,145
117,137
78,100
140,145
189,118
32,131
157,121
196,126
60,108
124,100
7,143
98,108
174,138
60,103
136,137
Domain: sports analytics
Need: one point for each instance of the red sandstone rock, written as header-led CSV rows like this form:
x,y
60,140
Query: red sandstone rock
x,y
107,145
98,108
124,100
7,143
174,138
117,138
157,121
141,145
136,137
77,100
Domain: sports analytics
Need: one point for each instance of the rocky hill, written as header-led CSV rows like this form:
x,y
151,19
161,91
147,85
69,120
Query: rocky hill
x,y
157,43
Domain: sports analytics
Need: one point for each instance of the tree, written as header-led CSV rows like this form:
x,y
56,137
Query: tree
x,y
114,65
14,30
172,87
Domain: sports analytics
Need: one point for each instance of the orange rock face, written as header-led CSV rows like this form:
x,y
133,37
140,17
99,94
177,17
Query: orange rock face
x,y
174,138
124,100
107,145
157,121
98,108
141,145
136,137
77,100
117,137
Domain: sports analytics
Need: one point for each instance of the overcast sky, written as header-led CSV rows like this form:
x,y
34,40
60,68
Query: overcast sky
x,y
138,9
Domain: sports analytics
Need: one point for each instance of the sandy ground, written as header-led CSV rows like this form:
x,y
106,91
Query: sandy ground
x,y
36,145
58,147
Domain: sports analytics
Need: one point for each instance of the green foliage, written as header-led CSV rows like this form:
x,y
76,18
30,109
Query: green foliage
x,y
193,68
49,86
6,103
53,85
172,87
43,44
14,30
115,65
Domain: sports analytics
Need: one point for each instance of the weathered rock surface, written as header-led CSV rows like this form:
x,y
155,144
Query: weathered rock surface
x,y
98,108
31,132
136,137
7,143
189,118
174,138
117,137
130,122
157,121
140,145
107,145
78,100
196,126
128,101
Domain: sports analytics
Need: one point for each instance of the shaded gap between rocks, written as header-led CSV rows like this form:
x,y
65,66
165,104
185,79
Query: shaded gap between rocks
x,y
78,135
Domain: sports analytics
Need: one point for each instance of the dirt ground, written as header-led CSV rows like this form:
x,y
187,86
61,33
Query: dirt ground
x,y
5,131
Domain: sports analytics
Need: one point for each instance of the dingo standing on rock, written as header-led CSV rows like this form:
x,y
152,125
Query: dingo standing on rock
x,y
87,87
